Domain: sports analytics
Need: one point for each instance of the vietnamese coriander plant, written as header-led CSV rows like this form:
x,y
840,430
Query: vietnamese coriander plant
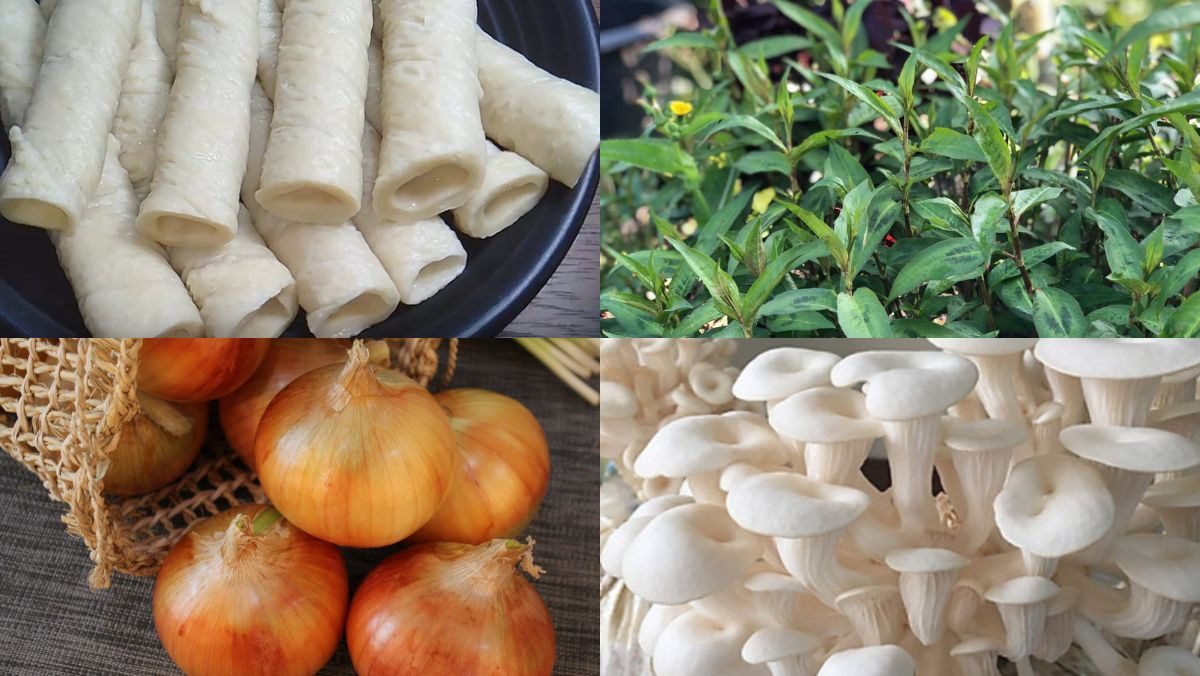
x,y
1017,185
1067,513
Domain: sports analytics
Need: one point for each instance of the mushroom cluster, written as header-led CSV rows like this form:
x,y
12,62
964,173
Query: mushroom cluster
x,y
646,383
1066,511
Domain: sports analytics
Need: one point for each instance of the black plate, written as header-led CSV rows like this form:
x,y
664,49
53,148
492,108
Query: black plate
x,y
503,273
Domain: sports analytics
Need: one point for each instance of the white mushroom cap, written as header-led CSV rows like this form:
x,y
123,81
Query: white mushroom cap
x,y
1181,491
613,553
617,400
781,372
686,553
1166,565
1117,358
1136,449
1168,661
695,643
788,505
1022,591
989,434
924,560
879,660
706,443
907,385
771,644
1053,505
656,619
984,347
825,415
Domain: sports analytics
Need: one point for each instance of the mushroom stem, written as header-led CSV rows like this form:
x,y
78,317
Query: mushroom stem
x,y
1022,603
1067,391
1173,391
964,603
1121,403
1107,660
835,462
1127,488
925,597
1181,522
1024,668
874,538
982,474
706,487
793,665
997,386
813,561
876,613
1144,615
977,657
1039,566
912,445
1047,424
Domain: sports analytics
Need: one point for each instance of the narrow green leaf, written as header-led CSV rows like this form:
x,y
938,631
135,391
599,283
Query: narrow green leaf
x,y
1024,200
688,40
748,123
837,248
1186,103
774,273
1152,248
852,21
873,101
1166,20
991,141
1092,103
953,144
811,22
985,218
1184,271
636,319
775,46
1007,269
879,221
763,161
1154,196
752,76
697,319
799,322
1185,321
1124,255
908,76
822,137
658,155
800,300
1056,314
973,64
720,285
950,260
862,315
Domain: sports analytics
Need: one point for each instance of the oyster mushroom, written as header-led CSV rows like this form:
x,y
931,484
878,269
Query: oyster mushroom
x,y
1119,376
806,518
660,563
1000,366
834,426
1163,572
1055,639
1177,387
1053,506
1128,459
879,660
980,451
1023,603
776,374
700,447
1177,502
977,656
696,643
908,392
927,577
876,612
785,652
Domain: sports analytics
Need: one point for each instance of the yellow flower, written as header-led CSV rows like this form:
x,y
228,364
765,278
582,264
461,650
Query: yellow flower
x,y
944,18
762,200
680,108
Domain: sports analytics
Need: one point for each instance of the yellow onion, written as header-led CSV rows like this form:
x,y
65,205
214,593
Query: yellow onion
x,y
286,360
244,592
156,446
355,454
445,608
197,369
504,471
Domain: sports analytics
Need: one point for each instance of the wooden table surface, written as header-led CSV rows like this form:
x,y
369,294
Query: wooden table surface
x,y
568,306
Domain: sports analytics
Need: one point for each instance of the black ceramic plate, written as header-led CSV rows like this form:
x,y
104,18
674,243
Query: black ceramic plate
x,y
503,273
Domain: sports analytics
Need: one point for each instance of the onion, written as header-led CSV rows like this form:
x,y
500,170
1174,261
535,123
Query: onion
x,y
245,593
197,369
448,608
504,472
286,360
357,455
156,446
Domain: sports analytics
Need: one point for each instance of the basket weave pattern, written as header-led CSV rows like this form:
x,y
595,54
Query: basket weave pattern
x,y
63,404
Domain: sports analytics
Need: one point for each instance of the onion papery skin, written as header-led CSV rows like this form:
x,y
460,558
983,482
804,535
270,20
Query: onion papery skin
x,y
446,608
286,360
197,369
356,455
148,456
504,472
277,608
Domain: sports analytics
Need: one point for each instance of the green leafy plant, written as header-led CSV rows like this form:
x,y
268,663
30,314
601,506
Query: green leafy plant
x,y
948,194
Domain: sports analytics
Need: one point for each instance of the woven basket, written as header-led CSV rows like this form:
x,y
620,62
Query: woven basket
x,y
63,404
